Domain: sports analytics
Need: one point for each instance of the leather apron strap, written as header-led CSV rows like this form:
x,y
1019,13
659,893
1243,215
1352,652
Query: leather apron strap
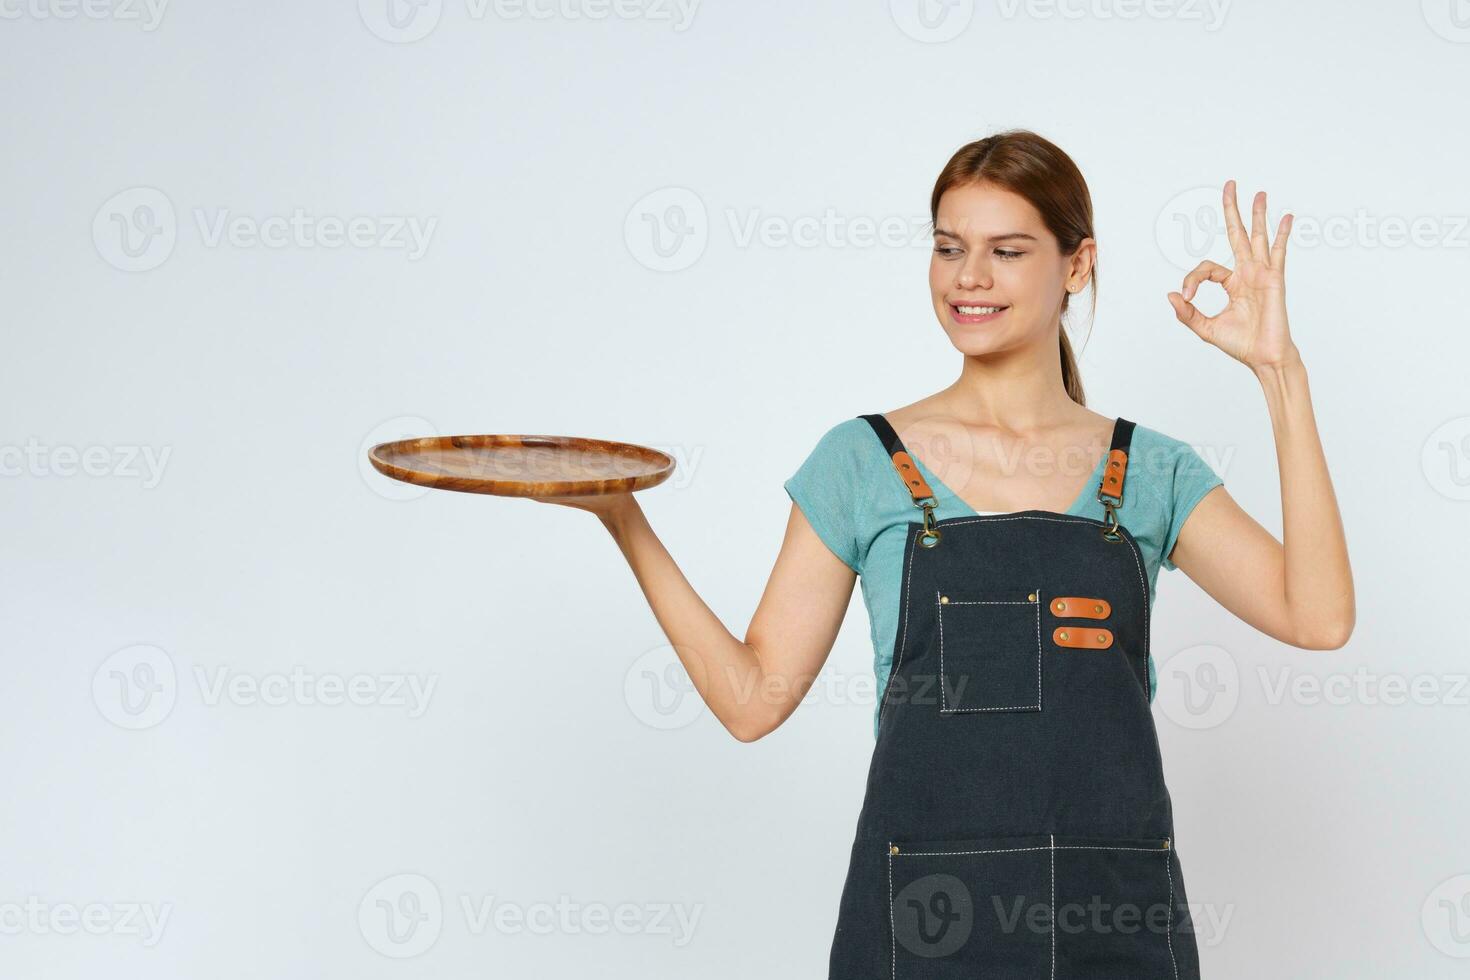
x,y
1109,489
903,463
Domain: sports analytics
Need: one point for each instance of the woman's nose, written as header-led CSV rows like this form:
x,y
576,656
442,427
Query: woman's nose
x,y
974,275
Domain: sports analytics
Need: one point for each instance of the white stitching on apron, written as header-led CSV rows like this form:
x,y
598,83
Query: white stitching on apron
x,y
904,638
1052,848
944,707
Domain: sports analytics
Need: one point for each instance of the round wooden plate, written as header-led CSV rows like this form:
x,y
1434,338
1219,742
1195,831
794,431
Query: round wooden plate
x,y
522,466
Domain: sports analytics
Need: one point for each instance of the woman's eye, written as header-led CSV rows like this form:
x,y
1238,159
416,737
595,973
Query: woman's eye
x,y
946,250
1005,254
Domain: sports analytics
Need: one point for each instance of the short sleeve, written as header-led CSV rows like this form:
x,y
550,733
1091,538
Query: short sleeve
x,y
1192,479
827,488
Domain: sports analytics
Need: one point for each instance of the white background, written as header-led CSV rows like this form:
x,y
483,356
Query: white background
x,y
585,184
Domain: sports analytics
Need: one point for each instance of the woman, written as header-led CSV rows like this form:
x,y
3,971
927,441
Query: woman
x,y
1016,821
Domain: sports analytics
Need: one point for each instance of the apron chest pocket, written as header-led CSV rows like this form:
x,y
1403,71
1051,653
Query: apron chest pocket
x,y
989,649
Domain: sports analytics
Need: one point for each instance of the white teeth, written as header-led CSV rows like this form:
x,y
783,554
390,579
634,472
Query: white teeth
x,y
979,310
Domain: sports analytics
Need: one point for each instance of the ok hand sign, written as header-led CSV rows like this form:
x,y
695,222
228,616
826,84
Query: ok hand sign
x,y
1252,327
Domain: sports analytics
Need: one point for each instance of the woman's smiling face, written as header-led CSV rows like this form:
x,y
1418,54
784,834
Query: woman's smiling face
x,y
997,275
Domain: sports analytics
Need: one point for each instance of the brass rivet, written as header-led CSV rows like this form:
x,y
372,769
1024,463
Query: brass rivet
x,y
1064,634
1060,605
1102,638
893,849
944,598
1031,597
1097,609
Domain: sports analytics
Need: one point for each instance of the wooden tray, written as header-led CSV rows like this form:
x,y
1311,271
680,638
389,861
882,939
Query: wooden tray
x,y
522,466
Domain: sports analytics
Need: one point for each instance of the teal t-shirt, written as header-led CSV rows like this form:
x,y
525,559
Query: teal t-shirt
x,y
854,500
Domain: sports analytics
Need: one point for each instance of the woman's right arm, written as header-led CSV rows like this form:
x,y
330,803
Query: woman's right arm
x,y
751,685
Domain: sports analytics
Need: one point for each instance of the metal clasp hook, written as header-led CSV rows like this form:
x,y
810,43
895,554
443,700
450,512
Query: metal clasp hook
x,y
1110,516
929,537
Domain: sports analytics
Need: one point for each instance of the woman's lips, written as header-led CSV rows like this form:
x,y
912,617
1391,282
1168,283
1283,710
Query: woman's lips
x,y
969,318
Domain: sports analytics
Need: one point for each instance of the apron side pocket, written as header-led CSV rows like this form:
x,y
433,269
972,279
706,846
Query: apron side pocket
x,y
1117,908
961,909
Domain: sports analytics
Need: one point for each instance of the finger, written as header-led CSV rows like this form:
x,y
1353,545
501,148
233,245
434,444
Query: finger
x,y
1278,248
1258,227
1206,270
1234,229
1187,314
1190,316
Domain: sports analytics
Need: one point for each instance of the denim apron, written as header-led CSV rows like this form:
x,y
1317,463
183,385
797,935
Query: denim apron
x,y
1016,823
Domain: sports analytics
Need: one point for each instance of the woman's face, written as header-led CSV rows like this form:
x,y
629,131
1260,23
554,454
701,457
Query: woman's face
x,y
992,250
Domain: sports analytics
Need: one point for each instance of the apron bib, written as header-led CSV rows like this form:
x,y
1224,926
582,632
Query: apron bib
x,y
1016,823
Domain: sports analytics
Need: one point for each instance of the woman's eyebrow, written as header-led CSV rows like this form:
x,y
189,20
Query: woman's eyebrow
x,y
993,238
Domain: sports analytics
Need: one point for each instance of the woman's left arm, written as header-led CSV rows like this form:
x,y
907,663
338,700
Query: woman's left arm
x,y
1298,590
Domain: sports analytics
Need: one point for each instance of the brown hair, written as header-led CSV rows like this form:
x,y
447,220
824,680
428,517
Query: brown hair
x,y
1035,168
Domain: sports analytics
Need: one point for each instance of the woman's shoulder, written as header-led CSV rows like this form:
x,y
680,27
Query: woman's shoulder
x,y
833,484
853,432
850,444
1168,476
1166,462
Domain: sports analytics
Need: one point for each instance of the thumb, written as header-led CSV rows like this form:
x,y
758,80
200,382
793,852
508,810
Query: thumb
x,y
1189,315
